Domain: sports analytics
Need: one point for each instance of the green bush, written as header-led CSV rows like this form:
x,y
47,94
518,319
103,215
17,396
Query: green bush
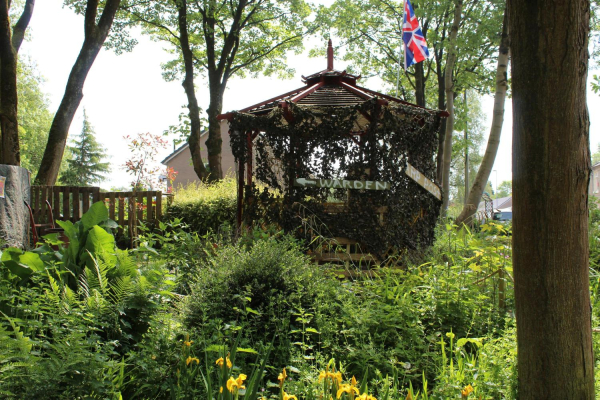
x,y
262,284
205,207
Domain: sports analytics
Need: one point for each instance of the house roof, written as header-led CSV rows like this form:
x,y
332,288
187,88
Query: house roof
x,y
178,150
329,88
497,204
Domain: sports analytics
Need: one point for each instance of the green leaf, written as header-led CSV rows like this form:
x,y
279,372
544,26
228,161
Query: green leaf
x,y
99,243
97,214
248,309
32,260
246,350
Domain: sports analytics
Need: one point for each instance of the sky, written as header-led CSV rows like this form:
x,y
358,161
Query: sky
x,y
126,94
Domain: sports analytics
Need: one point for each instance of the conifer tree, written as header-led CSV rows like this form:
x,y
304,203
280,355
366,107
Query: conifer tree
x,y
86,167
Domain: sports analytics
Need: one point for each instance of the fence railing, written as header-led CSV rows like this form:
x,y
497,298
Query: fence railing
x,y
69,203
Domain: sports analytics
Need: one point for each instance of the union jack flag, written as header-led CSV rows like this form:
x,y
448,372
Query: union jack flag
x,y
415,46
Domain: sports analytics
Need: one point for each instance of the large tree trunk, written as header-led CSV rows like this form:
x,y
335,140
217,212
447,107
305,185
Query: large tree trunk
x,y
190,91
9,145
449,89
214,141
10,42
551,164
95,35
491,150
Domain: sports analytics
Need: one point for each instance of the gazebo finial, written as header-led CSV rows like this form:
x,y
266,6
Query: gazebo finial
x,y
329,56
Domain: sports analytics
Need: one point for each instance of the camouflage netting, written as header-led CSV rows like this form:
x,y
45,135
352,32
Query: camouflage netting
x,y
323,143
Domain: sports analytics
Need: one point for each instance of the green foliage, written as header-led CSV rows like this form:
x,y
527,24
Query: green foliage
x,y
371,35
35,117
180,251
259,286
70,315
504,189
263,34
205,207
85,168
469,116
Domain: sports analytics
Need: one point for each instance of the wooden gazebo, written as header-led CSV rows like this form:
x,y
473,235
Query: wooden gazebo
x,y
340,160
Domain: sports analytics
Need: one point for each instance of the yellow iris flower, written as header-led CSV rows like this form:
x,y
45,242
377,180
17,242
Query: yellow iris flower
x,y
191,359
365,396
467,391
220,362
322,375
289,396
236,384
346,388
281,377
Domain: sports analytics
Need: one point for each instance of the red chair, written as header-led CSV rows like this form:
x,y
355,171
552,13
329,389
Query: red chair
x,y
37,230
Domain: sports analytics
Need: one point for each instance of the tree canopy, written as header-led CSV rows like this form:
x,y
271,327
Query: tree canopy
x,y
220,39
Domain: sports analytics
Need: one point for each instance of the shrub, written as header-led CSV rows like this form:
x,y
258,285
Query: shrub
x,y
267,280
205,207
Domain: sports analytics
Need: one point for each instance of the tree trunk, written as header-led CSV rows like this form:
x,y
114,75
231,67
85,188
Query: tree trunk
x,y
190,91
9,129
551,165
441,137
10,42
420,84
449,89
95,35
466,151
491,150
214,141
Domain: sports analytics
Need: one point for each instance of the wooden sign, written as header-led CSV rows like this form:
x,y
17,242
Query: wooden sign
x,y
422,180
342,184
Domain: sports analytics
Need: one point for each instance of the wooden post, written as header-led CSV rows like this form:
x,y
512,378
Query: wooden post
x,y
66,205
76,204
501,290
111,205
159,206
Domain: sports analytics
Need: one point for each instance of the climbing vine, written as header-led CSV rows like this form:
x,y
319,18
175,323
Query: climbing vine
x,y
368,141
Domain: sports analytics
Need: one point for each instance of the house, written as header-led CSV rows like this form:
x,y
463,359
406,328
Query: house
x,y
181,159
594,187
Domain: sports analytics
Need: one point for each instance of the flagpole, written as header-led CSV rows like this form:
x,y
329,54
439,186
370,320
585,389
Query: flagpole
x,y
401,48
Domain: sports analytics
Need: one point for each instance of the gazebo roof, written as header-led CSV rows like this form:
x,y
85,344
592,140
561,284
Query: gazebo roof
x,y
327,88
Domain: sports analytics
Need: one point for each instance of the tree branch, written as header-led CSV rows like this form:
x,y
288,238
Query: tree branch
x,y
22,24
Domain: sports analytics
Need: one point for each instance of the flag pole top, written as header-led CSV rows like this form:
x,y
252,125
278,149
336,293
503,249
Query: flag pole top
x,y
329,56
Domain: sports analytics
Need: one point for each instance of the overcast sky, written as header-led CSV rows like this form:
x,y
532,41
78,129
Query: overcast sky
x,y
126,94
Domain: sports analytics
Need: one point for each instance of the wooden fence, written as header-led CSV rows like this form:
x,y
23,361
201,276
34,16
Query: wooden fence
x,y
69,203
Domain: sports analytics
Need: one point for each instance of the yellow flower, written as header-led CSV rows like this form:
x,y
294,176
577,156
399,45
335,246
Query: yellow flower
x,y
236,384
187,342
221,389
335,377
353,381
345,388
220,362
322,375
281,377
191,359
409,396
365,396
289,396
467,391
